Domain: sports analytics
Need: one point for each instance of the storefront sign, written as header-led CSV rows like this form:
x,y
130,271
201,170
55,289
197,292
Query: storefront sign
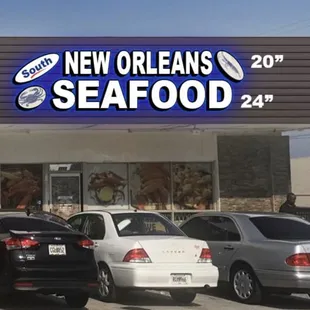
x,y
129,80
155,80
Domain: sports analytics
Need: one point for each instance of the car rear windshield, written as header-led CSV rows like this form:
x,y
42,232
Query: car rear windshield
x,y
282,228
30,224
135,224
50,217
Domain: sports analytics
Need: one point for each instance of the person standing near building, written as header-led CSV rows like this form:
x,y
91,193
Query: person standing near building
x,y
289,205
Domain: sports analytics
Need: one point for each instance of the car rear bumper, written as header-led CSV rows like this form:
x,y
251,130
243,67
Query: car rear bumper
x,y
55,285
297,281
159,276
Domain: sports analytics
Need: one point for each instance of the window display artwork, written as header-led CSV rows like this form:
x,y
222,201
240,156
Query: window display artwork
x,y
192,186
107,185
150,186
21,186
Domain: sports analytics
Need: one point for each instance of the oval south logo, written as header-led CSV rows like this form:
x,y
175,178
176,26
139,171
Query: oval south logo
x,y
36,68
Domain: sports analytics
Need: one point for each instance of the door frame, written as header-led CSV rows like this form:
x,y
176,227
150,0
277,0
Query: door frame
x,y
64,174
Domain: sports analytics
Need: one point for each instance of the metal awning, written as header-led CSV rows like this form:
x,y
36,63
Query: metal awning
x,y
195,129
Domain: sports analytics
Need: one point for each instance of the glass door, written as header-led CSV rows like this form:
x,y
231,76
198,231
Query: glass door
x,y
65,194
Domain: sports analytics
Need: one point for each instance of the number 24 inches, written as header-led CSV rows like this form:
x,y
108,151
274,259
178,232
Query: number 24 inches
x,y
257,102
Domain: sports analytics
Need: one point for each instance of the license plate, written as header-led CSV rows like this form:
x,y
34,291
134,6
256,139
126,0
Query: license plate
x,y
179,279
57,249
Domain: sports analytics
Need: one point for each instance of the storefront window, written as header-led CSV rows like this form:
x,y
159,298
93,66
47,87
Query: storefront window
x,y
107,185
192,186
150,186
65,194
21,186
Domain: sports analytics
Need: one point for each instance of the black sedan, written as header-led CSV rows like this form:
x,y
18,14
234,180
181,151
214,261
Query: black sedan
x,y
46,257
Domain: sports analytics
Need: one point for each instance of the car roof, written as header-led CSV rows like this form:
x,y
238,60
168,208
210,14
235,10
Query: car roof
x,y
244,214
32,216
114,212
22,215
12,214
25,216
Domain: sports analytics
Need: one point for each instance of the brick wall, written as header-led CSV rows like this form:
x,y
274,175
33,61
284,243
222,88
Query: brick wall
x,y
254,172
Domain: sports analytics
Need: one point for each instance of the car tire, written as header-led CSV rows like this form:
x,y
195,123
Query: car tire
x,y
108,291
77,300
183,296
245,285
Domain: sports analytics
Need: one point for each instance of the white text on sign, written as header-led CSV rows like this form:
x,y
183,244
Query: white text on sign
x,y
100,94
258,101
266,61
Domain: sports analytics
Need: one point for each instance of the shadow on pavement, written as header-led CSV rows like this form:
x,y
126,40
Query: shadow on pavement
x,y
288,302
31,302
272,301
140,300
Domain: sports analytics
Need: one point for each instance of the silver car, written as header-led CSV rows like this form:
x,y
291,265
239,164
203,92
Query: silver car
x,y
256,253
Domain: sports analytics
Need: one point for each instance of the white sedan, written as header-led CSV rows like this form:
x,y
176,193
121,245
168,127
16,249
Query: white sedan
x,y
144,250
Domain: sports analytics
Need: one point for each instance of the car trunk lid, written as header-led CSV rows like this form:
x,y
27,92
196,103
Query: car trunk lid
x,y
170,249
49,248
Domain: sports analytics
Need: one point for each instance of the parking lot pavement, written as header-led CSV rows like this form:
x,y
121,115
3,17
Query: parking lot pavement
x,y
154,301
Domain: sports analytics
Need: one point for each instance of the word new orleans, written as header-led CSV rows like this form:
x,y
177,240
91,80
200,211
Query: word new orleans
x,y
96,88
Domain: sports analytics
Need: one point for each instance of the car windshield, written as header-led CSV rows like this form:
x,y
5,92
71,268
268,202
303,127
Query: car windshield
x,y
277,228
144,224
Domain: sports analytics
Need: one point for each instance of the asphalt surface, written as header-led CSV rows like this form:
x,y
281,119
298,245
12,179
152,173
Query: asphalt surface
x,y
154,301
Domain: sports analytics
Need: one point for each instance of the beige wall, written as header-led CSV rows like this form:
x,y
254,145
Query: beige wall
x,y
100,147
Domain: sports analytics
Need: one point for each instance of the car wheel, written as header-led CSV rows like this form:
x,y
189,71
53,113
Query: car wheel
x,y
108,291
245,285
78,300
183,296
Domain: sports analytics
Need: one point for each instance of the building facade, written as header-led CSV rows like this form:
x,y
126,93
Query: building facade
x,y
172,172
89,155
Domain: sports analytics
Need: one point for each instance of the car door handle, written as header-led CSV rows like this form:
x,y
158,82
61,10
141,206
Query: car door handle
x,y
228,248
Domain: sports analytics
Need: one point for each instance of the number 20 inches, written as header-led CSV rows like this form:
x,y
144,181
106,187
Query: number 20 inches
x,y
266,61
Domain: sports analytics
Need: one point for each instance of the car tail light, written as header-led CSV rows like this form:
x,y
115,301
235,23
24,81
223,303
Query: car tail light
x,y
137,256
205,256
299,260
87,244
23,284
95,284
18,244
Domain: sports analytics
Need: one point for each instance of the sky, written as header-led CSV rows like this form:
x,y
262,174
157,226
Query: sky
x,y
154,18
160,18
